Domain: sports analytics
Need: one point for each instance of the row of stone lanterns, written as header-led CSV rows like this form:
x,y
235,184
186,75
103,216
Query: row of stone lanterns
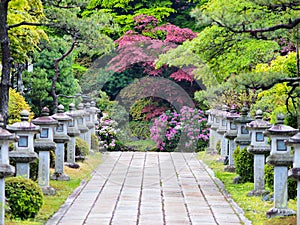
x,y
243,131
51,132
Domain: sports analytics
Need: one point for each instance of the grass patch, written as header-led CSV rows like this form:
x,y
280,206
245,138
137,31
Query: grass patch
x,y
63,190
255,209
142,145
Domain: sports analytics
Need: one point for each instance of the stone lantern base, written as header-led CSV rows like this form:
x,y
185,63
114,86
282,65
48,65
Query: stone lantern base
x,y
257,193
48,190
60,176
274,212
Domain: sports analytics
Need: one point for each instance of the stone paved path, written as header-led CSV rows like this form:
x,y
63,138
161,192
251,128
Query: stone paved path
x,y
148,189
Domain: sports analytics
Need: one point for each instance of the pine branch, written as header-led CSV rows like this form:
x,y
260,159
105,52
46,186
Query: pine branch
x,y
30,24
290,25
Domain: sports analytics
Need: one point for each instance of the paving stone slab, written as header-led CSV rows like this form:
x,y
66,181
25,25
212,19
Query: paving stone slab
x,y
149,188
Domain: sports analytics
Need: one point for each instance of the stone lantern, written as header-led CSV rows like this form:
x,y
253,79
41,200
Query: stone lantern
x,y
24,153
230,134
60,138
210,119
243,136
43,145
214,127
5,169
90,124
81,122
73,132
95,111
280,157
295,171
222,130
258,147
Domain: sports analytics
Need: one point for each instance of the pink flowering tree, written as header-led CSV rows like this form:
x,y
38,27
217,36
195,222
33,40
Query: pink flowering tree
x,y
136,54
185,131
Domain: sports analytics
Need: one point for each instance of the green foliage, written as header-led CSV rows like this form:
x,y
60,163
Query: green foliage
x,y
25,39
136,110
218,147
269,177
140,129
103,102
38,95
94,142
16,104
274,101
24,196
123,12
81,148
243,162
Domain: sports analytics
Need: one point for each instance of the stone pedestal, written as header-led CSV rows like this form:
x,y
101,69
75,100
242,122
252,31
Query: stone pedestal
x,y
90,124
95,111
43,145
5,169
230,135
221,131
60,138
81,122
280,158
73,132
24,153
258,147
295,171
209,148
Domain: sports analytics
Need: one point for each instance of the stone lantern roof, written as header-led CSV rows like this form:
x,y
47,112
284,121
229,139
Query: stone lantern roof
x,y
243,118
280,129
258,123
82,127
222,114
294,140
5,134
72,130
72,111
232,114
61,115
45,119
24,125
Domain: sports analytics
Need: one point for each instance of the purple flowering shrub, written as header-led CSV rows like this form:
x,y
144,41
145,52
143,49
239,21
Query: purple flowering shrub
x,y
107,133
186,129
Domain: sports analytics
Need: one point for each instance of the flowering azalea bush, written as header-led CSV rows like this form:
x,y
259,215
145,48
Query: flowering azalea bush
x,y
107,133
186,129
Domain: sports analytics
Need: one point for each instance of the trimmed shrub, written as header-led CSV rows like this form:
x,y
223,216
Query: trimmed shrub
x,y
141,130
94,142
269,177
218,147
24,197
81,148
244,161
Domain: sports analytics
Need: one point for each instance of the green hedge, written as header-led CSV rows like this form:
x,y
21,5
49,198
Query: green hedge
x,y
24,197
244,164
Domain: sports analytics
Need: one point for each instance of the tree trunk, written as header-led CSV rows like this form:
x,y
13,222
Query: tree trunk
x,y
55,77
6,60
